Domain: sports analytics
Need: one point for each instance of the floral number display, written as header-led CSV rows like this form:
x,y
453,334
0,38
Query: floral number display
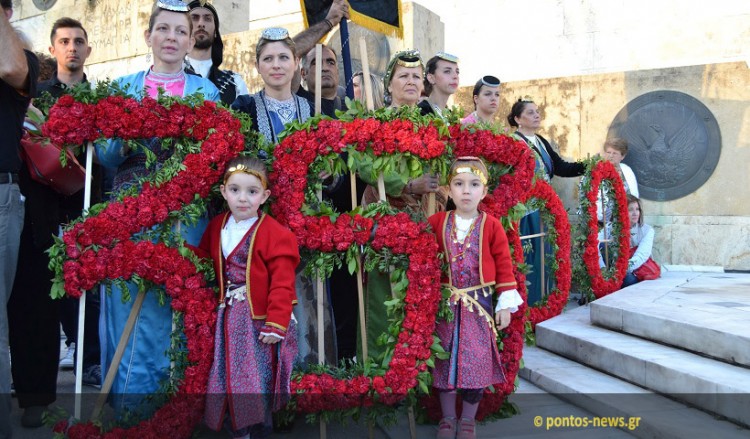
x,y
101,247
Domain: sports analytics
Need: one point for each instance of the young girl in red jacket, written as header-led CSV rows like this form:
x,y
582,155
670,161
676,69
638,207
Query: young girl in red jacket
x,y
476,248
255,343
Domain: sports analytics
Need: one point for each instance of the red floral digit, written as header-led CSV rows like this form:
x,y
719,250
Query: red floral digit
x,y
101,248
398,233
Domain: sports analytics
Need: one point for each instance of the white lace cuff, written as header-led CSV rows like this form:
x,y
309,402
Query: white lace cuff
x,y
271,334
509,299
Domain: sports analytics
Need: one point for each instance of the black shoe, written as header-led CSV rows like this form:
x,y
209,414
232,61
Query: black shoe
x,y
32,416
92,376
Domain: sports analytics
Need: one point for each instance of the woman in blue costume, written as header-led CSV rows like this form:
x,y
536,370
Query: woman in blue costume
x,y
271,109
525,116
145,364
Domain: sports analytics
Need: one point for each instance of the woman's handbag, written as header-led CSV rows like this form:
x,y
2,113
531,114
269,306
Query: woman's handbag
x,y
43,162
650,270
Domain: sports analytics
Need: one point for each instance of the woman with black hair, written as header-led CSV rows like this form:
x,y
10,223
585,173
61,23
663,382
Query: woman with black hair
x,y
486,96
525,117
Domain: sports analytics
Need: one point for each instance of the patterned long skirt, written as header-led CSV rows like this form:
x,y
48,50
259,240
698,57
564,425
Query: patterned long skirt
x,y
249,379
474,362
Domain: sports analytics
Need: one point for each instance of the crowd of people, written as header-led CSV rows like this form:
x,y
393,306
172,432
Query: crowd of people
x,y
280,330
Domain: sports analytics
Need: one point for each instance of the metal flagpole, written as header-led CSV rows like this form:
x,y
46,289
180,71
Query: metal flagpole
x,y
82,299
347,57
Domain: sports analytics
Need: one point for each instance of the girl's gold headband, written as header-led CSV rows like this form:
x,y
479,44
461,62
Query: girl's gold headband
x,y
244,169
470,169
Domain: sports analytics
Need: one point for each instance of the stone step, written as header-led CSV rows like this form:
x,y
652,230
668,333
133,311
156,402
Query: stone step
x,y
693,316
614,399
705,383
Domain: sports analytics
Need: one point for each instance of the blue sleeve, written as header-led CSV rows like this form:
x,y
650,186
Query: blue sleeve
x,y
111,154
212,93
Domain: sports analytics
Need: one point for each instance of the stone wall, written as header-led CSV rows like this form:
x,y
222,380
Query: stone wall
x,y
707,227
581,60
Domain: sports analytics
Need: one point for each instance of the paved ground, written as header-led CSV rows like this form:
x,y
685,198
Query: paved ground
x,y
532,401
536,407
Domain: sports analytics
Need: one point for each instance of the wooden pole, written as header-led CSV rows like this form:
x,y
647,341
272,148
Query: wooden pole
x,y
115,364
319,284
320,310
544,291
381,187
318,76
431,204
367,88
369,101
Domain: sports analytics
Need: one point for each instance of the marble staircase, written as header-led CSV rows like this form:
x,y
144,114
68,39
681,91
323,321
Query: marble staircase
x,y
674,352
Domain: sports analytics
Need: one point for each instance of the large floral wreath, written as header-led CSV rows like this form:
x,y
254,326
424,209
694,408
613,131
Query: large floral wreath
x,y
544,197
603,281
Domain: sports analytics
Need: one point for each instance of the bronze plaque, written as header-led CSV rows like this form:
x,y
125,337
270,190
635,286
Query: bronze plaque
x,y
674,143
44,5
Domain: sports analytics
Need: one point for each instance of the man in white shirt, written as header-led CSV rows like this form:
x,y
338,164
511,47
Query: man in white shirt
x,y
208,53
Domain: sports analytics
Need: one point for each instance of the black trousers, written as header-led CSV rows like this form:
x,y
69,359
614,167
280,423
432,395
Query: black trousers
x,y
34,325
342,284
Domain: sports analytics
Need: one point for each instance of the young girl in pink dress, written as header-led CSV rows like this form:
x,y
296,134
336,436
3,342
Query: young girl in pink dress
x,y
255,343
476,248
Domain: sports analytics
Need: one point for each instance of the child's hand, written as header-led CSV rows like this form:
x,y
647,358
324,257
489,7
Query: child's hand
x,y
268,339
502,318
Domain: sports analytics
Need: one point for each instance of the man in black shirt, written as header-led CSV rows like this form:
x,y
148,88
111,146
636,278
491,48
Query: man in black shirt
x,y
70,47
331,95
207,54
18,73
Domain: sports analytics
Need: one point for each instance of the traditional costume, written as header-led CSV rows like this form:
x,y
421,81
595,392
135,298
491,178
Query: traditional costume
x,y
472,118
269,117
230,84
255,262
145,365
480,266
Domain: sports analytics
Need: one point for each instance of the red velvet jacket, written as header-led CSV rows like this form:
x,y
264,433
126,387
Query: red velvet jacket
x,y
495,264
270,279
